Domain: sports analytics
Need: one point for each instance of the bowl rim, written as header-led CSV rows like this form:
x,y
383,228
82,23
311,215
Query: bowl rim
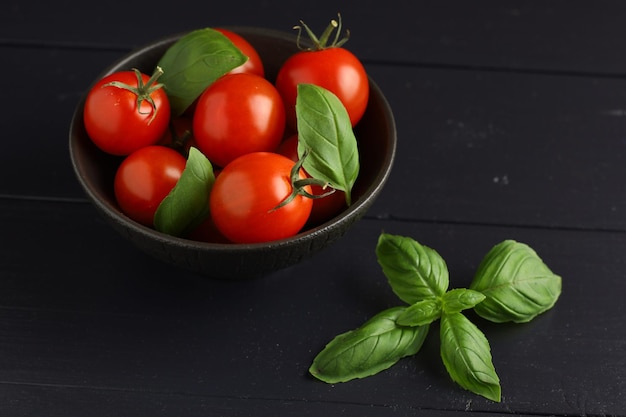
x,y
350,213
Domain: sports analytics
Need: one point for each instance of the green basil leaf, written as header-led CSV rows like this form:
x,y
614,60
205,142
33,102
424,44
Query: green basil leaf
x,y
187,205
415,272
466,355
461,299
324,129
375,346
421,313
517,284
193,63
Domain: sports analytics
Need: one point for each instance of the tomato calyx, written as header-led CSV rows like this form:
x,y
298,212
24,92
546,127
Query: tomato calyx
x,y
143,91
320,43
298,185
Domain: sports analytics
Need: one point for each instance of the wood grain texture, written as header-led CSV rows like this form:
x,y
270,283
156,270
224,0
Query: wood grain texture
x,y
561,36
510,122
127,322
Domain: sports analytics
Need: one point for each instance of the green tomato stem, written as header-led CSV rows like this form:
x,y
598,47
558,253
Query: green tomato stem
x,y
142,91
320,43
298,186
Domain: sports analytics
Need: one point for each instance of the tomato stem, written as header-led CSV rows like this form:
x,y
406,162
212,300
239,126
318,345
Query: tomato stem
x,y
321,43
179,141
314,181
143,91
298,185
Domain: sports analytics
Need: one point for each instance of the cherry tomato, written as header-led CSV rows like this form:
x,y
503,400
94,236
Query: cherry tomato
x,y
119,117
329,66
324,208
245,196
254,64
238,114
145,178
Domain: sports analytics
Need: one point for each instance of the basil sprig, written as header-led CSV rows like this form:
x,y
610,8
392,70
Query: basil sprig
x,y
194,62
187,204
512,282
325,132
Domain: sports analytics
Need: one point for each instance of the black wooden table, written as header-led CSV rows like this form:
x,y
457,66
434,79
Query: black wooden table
x,y
511,122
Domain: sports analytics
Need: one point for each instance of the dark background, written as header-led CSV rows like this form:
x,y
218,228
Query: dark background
x,y
511,125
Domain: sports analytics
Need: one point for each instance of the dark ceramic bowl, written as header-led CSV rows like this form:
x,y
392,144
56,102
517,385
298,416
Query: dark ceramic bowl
x,y
95,170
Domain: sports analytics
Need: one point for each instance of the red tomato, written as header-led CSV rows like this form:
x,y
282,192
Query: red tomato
x,y
246,193
253,65
335,69
324,208
113,119
145,178
238,114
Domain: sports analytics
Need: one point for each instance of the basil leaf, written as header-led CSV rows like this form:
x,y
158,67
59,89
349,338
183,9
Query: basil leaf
x,y
428,310
193,63
187,205
324,129
375,346
415,272
461,299
421,313
466,355
517,284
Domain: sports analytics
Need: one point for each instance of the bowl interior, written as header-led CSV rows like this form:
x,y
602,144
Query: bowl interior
x,y
95,171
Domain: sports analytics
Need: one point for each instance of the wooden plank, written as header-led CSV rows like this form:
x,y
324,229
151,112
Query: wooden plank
x,y
498,148
119,320
510,125
52,401
561,36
